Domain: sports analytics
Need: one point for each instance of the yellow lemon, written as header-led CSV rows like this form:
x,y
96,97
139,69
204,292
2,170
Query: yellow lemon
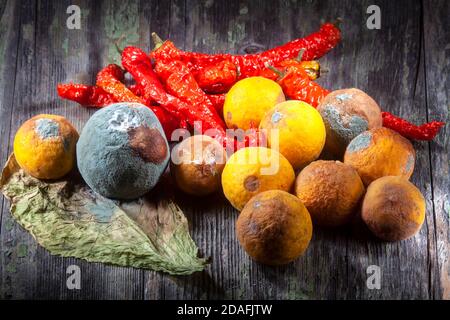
x,y
299,133
248,100
44,146
252,170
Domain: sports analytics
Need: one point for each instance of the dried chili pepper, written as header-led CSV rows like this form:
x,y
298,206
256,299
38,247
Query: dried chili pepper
x,y
167,120
138,64
297,85
216,78
316,45
217,100
181,83
110,79
135,89
94,96
312,68
88,96
426,131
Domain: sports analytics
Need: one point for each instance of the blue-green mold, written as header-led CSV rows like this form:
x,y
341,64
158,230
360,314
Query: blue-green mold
x,y
122,151
345,131
361,142
47,128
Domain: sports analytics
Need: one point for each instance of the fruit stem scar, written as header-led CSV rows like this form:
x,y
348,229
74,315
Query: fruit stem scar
x,y
251,183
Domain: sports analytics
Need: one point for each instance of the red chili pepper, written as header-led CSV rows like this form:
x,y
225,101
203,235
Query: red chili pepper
x,y
167,120
89,96
216,78
181,83
110,79
94,96
217,100
316,45
312,68
135,89
426,131
138,64
297,85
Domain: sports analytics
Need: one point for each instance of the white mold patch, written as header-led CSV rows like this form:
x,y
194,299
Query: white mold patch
x,y
47,128
344,96
123,121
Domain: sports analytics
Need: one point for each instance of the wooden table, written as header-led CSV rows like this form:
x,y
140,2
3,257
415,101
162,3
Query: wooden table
x,y
404,66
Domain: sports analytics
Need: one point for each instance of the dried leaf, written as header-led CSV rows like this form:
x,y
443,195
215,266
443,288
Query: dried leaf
x,y
70,220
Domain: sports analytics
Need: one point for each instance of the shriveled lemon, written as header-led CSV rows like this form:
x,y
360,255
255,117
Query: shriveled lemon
x,y
380,152
252,170
274,228
296,130
248,100
44,146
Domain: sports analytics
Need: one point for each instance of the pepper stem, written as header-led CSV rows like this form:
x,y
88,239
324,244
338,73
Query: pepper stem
x,y
300,54
117,42
277,71
157,41
337,22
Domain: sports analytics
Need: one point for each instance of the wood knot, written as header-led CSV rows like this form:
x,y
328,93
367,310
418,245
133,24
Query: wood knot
x,y
251,48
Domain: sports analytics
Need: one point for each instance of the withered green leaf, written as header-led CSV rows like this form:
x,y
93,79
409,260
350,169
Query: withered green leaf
x,y
70,220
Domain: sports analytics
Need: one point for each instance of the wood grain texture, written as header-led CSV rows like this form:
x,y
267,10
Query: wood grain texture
x,y
9,22
404,66
437,69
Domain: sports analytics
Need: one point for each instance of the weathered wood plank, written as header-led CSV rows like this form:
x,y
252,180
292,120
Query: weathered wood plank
x,y
436,35
8,53
9,23
401,66
19,250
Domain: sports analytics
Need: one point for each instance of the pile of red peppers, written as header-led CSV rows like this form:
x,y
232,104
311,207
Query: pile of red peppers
x,y
187,89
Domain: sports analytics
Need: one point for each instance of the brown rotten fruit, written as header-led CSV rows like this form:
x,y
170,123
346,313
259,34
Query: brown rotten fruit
x,y
274,227
393,208
197,165
330,190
